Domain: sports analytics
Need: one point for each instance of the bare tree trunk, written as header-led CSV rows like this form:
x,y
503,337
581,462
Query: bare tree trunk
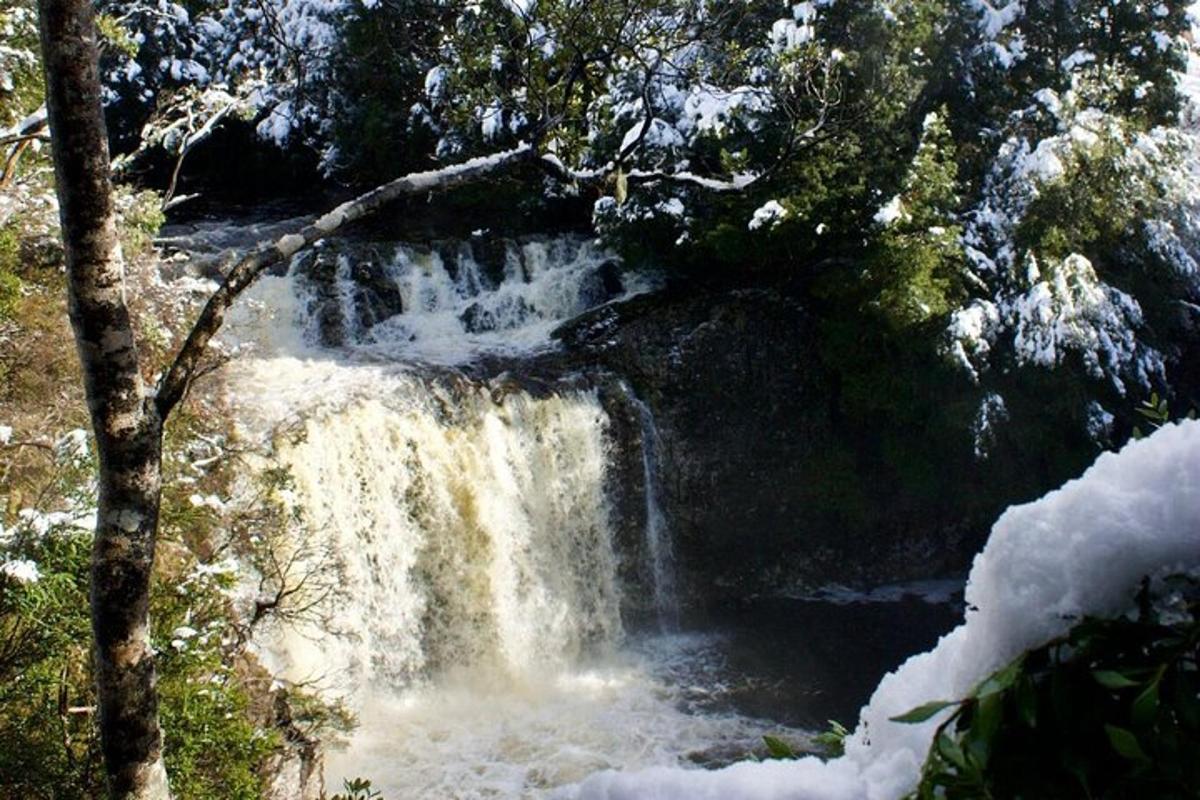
x,y
128,429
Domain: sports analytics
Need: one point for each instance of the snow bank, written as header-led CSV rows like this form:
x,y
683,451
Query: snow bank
x,y
1079,550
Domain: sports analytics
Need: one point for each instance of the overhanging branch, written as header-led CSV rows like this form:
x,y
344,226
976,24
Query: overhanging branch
x,y
178,378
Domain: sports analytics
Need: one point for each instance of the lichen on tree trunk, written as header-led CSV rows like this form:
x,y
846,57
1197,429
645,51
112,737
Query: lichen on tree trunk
x,y
127,428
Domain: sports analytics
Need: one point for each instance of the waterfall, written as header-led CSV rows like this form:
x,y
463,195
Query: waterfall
x,y
474,625
658,535
449,303
469,532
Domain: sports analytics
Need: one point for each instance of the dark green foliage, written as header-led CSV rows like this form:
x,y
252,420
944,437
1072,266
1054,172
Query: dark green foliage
x,y
1112,710
779,749
914,269
215,743
10,259
21,86
380,70
50,747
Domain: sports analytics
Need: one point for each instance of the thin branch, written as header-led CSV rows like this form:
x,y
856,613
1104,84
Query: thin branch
x,y
189,142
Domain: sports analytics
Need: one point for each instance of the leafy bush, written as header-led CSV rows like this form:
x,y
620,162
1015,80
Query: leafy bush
x,y
220,722
141,216
357,789
1112,710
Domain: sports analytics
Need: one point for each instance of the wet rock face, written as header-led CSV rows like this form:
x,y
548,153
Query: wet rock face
x,y
349,289
749,433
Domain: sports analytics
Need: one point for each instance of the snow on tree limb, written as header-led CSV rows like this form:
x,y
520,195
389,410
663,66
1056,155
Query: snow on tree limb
x,y
555,167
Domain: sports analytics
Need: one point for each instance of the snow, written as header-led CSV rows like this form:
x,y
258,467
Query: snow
x,y
992,411
709,110
6,433
659,136
891,211
207,501
993,20
1099,422
72,446
787,35
21,571
1049,99
1073,311
1080,550
491,121
769,215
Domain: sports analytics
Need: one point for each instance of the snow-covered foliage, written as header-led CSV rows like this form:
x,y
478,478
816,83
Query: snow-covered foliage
x,y
1092,187
1080,550
768,215
991,413
283,50
18,56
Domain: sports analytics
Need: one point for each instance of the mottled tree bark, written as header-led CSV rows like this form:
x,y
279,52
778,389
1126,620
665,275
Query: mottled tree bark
x,y
128,429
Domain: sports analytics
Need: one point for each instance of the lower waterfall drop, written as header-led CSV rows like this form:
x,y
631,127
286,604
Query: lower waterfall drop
x,y
469,533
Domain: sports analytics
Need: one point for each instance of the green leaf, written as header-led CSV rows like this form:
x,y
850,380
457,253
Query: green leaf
x,y
1125,743
924,712
988,716
1145,707
948,749
1112,680
778,748
1000,680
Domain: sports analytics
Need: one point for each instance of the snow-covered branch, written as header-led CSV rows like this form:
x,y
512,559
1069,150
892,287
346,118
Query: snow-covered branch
x,y
555,167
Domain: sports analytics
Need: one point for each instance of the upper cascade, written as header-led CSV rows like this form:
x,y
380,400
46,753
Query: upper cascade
x,y
451,302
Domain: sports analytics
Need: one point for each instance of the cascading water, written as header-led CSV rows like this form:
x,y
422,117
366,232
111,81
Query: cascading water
x,y
658,535
449,303
470,532
477,631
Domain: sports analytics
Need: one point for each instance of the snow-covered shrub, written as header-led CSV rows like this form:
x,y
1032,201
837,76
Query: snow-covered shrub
x,y
20,67
1079,245
48,735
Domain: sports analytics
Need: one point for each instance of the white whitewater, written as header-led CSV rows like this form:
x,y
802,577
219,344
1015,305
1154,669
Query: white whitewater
x,y
477,633
454,308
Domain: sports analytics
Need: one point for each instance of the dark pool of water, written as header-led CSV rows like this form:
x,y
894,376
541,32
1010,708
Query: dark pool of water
x,y
796,664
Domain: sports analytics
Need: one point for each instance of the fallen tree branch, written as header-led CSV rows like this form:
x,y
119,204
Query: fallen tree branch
x,y
28,130
190,140
176,381
23,138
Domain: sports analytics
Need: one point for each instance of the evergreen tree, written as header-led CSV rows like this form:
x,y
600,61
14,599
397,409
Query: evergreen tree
x,y
916,263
